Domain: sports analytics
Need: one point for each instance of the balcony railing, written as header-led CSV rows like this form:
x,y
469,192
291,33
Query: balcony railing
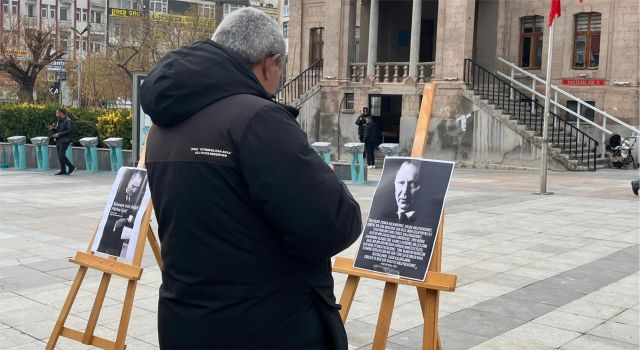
x,y
392,72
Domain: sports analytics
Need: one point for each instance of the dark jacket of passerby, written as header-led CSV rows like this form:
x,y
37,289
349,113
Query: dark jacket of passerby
x,y
361,122
64,129
372,134
248,214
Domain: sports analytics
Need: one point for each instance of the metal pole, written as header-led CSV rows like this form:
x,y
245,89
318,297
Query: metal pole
x,y
513,76
545,122
79,70
602,145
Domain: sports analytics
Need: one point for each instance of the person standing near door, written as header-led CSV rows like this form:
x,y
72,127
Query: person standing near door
x,y
372,138
361,122
62,136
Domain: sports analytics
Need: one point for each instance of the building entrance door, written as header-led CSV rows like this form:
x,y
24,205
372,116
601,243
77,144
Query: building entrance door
x,y
386,110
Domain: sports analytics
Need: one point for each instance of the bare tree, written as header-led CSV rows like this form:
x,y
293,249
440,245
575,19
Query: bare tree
x,y
24,52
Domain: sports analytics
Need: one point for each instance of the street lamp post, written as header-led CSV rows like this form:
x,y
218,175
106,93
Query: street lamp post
x,y
80,54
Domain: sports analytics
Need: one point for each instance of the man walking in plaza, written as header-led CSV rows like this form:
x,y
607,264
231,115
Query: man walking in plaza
x,y
63,133
248,214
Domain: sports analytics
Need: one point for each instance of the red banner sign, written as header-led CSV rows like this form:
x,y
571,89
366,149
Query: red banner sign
x,y
583,82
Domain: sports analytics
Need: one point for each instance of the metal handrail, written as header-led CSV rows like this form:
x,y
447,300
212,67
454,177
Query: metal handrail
x,y
569,95
521,106
553,102
300,84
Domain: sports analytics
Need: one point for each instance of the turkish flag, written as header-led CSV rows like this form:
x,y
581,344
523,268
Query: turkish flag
x,y
555,11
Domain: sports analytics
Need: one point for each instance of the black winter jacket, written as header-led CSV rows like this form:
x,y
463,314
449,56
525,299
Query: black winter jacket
x,y
64,129
372,134
248,214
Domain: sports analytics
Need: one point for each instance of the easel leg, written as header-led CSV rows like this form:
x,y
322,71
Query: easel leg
x,y
155,247
430,336
126,314
66,308
97,306
348,293
384,317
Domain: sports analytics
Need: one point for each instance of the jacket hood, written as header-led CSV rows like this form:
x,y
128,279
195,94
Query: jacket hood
x,y
187,80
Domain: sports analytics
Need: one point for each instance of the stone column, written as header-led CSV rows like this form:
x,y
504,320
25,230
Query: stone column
x,y
414,51
372,56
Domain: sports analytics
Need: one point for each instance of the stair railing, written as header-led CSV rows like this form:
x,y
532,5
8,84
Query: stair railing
x,y
581,104
303,82
504,96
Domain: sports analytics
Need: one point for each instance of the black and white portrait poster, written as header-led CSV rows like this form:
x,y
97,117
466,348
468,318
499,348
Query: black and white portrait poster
x,y
402,227
120,224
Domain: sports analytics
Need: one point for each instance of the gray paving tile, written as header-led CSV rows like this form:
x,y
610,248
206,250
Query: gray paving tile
x,y
617,331
482,323
517,308
450,338
545,294
590,342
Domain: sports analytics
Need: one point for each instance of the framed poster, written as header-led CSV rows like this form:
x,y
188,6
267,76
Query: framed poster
x,y
120,223
402,227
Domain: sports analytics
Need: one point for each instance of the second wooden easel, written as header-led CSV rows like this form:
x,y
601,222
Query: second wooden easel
x,y
429,289
109,267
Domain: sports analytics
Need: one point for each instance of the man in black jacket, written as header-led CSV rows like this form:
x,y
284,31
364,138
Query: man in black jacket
x,y
248,214
361,122
372,138
62,136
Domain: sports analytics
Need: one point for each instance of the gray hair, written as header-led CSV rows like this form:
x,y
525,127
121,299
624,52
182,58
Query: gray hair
x,y
251,34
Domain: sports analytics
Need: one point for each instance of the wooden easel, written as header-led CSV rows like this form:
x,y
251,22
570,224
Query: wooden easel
x,y
109,266
429,289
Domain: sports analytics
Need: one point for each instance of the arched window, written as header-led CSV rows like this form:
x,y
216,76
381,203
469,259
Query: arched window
x,y
531,41
586,40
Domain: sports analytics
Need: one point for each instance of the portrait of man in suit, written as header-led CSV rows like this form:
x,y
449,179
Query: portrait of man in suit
x,y
124,209
407,186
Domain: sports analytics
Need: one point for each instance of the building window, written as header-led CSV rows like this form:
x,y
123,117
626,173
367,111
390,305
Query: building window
x,y
349,102
127,4
206,10
228,8
64,14
117,29
52,11
96,17
158,6
31,10
81,15
531,41
586,42
285,29
95,47
14,7
5,6
584,111
44,11
317,45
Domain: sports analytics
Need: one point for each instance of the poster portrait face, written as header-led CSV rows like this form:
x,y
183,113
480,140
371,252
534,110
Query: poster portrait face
x,y
406,185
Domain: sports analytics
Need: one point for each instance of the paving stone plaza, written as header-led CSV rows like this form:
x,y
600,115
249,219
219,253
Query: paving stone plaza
x,y
534,272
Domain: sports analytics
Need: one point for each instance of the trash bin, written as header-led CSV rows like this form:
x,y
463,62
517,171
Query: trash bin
x,y
390,149
115,152
324,150
90,153
357,161
41,144
19,156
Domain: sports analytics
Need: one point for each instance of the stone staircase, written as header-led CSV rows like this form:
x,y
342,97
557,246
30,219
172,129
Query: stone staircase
x,y
574,149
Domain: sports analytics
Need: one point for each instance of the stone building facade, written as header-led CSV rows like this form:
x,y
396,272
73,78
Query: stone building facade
x,y
379,54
